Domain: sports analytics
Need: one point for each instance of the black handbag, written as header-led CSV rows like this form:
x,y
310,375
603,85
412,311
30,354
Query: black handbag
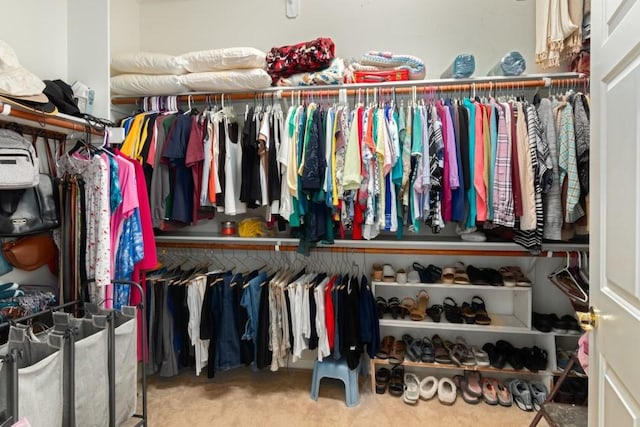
x,y
30,210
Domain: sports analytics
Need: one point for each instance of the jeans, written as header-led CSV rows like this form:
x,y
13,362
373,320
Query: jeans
x,y
224,310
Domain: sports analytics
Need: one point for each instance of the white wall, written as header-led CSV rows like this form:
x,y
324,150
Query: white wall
x,y
88,44
37,31
434,30
124,26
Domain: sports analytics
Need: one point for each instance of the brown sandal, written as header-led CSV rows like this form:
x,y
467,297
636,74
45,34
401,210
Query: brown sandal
x,y
419,311
407,305
386,346
397,352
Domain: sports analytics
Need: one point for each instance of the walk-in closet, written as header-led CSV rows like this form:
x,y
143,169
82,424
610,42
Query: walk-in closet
x,y
318,212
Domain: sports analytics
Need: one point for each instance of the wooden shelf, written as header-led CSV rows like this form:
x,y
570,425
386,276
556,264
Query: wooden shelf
x,y
455,287
58,123
499,323
410,245
507,370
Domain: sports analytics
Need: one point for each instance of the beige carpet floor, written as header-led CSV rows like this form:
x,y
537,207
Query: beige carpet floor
x,y
244,398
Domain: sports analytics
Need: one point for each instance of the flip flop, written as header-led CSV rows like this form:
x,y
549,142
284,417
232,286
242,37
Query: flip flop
x,y
482,357
461,383
474,383
428,387
441,353
411,389
428,352
504,396
413,349
489,392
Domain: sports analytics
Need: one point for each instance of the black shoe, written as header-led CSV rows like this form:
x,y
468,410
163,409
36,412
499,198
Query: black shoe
x,y
497,359
542,322
452,311
559,326
477,276
435,312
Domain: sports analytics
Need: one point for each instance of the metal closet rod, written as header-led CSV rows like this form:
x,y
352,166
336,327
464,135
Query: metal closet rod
x,y
343,250
38,314
405,87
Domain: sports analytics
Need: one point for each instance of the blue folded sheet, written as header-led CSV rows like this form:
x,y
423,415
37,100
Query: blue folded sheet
x,y
512,64
462,67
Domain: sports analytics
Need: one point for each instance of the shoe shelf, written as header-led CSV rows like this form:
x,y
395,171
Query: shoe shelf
x,y
454,287
508,307
507,370
499,323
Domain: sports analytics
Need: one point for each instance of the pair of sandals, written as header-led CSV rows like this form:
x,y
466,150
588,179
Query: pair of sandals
x,y
392,350
393,377
476,312
397,308
528,396
419,350
427,388
474,389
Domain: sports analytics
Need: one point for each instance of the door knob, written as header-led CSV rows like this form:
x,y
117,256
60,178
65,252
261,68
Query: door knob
x,y
588,319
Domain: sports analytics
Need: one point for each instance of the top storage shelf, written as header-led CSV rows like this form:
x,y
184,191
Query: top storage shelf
x,y
400,87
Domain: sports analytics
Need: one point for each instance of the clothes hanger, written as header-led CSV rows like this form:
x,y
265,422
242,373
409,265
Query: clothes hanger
x,y
567,283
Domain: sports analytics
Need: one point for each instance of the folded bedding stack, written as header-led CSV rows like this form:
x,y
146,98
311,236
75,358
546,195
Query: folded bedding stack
x,y
332,75
376,67
305,64
215,70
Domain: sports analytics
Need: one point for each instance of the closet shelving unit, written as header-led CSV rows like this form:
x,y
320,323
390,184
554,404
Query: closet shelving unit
x,y
510,308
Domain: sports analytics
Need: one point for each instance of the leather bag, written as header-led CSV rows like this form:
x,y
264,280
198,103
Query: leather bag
x,y
29,253
30,210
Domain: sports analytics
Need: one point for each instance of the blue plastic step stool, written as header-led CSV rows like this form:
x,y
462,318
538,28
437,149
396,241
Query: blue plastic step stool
x,y
337,369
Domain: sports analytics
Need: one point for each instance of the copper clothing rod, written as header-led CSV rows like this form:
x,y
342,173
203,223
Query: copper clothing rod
x,y
421,87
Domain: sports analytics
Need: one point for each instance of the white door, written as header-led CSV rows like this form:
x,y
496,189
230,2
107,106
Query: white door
x,y
614,372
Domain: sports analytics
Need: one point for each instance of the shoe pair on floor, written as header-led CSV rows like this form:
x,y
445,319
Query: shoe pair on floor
x,y
474,389
528,395
412,389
